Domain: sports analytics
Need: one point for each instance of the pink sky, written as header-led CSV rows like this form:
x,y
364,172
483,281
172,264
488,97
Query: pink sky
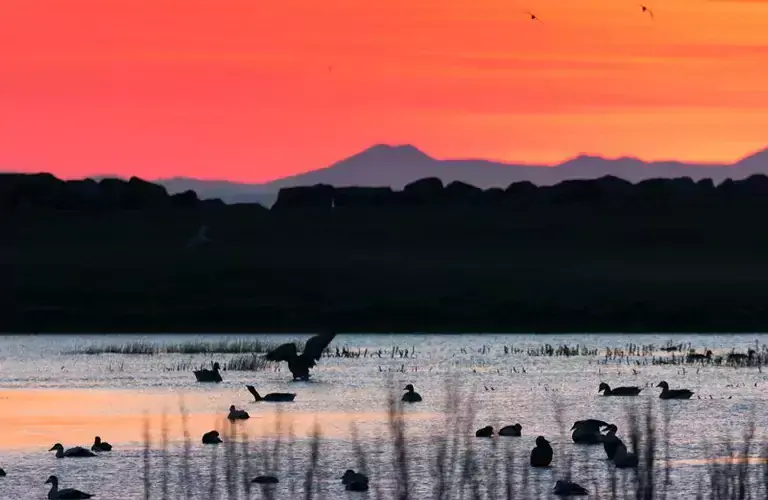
x,y
240,89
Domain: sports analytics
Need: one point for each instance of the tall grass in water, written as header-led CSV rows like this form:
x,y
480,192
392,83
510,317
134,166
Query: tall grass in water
x,y
141,347
455,463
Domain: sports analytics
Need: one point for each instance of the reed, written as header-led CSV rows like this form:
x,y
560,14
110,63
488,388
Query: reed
x,y
459,466
141,347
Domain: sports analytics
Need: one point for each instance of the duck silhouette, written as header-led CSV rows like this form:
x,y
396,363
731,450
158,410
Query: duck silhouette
x,y
272,397
568,489
77,451
299,364
511,430
588,431
265,480
211,437
235,414
354,481
619,391
485,432
99,445
65,494
411,396
611,442
541,455
623,459
666,393
205,375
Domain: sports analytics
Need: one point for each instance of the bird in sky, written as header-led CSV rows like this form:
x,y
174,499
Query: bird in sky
x,y
646,9
533,16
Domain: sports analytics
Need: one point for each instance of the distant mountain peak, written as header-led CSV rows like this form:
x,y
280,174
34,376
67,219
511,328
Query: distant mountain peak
x,y
756,159
398,152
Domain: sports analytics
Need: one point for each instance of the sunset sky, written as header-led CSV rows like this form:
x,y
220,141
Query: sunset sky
x,y
241,89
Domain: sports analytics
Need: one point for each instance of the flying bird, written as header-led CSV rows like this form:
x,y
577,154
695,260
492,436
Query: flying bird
x,y
299,364
533,16
646,9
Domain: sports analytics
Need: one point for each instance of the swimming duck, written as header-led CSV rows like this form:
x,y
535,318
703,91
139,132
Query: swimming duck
x,y
485,432
77,451
272,396
587,431
623,459
235,414
265,480
567,489
541,455
619,391
611,441
211,437
2,472
511,430
65,494
411,396
208,375
354,481
99,445
299,364
666,393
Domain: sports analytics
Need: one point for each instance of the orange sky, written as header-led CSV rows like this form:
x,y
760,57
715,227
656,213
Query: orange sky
x,y
240,89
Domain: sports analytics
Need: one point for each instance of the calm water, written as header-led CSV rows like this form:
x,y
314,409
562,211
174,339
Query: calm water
x,y
48,396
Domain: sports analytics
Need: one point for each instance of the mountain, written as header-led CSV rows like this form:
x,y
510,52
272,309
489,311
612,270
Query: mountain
x,y
396,166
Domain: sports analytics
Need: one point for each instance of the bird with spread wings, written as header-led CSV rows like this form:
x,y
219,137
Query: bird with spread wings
x,y
299,364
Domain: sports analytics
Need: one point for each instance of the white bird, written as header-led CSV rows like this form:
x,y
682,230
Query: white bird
x,y
200,238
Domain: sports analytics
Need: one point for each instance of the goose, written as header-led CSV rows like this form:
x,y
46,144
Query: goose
x,y
568,489
77,451
204,375
485,432
211,437
235,414
611,442
99,445
272,396
541,455
511,430
666,393
619,391
354,481
411,396
299,364
65,494
587,431
623,459
265,480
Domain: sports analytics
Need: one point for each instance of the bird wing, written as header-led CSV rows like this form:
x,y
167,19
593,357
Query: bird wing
x,y
284,352
316,345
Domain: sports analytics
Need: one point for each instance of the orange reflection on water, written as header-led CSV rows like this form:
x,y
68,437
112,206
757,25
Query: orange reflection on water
x,y
34,419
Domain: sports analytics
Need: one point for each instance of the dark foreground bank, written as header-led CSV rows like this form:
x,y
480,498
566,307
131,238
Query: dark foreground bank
x,y
592,256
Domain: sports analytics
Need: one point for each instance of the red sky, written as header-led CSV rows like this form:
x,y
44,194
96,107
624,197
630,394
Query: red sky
x,y
240,89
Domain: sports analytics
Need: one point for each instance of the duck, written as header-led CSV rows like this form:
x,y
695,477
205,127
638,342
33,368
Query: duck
x,y
99,445
511,430
411,396
611,442
623,459
211,437
2,472
619,391
265,480
666,393
235,414
587,431
354,481
568,489
299,364
77,451
204,375
485,432
275,397
65,494
541,455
